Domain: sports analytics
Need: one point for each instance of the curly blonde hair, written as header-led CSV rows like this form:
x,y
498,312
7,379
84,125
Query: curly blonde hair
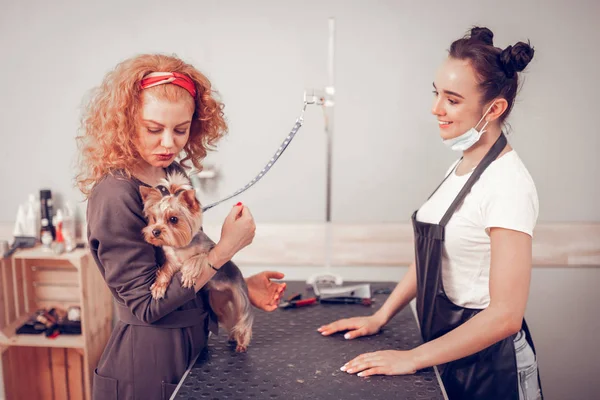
x,y
108,130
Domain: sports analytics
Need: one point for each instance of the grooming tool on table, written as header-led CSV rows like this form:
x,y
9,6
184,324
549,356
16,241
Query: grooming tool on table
x,y
294,297
295,301
325,281
347,300
362,291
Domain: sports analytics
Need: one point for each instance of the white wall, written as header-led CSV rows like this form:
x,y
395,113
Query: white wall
x,y
261,55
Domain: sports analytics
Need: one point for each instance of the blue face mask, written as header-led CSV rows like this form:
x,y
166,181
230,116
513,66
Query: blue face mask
x,y
469,138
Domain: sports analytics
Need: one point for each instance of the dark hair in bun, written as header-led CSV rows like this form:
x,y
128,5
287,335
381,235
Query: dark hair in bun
x,y
496,69
515,58
483,35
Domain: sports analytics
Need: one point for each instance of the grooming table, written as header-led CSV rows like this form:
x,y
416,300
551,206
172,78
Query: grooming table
x,y
288,359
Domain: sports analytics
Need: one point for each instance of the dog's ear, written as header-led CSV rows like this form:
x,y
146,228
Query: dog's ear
x,y
188,198
149,194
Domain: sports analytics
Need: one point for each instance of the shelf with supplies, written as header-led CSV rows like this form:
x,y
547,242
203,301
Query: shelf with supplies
x,y
35,279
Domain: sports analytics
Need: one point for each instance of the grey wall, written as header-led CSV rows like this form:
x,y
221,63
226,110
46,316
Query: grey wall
x,y
562,313
387,155
261,55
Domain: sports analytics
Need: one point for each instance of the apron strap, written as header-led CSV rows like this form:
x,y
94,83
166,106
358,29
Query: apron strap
x,y
491,155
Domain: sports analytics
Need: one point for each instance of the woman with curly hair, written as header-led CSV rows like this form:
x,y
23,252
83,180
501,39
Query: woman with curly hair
x,y
147,111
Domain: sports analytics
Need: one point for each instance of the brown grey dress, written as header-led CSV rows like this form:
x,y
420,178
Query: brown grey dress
x,y
153,341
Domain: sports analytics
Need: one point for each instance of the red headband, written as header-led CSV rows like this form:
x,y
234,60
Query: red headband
x,y
158,78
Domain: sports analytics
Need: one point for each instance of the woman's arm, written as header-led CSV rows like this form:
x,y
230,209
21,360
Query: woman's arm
x,y
237,232
510,274
403,293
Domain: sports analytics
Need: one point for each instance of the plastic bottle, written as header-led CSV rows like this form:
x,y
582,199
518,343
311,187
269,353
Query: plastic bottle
x,y
46,235
20,222
69,227
46,212
59,243
34,203
31,220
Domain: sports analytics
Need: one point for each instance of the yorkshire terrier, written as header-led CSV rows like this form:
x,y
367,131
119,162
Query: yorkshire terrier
x,y
174,223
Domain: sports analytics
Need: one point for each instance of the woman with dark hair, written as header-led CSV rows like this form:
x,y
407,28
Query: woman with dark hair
x,y
473,241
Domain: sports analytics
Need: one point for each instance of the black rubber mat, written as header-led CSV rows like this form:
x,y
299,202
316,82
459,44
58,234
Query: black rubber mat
x,y
289,359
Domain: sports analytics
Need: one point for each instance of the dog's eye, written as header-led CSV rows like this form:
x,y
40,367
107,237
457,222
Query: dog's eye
x,y
173,220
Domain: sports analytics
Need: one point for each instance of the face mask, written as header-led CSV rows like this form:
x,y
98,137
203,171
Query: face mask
x,y
469,138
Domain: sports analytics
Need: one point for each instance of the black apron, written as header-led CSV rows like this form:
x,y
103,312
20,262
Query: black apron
x,y
491,373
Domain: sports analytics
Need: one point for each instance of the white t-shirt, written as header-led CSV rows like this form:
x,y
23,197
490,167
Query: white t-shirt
x,y
504,197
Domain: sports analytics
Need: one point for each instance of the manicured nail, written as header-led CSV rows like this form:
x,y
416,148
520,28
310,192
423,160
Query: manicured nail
x,y
238,204
360,374
349,371
347,336
343,368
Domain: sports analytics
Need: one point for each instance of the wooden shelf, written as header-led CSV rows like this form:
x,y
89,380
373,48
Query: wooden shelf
x,y
74,258
9,337
39,340
33,279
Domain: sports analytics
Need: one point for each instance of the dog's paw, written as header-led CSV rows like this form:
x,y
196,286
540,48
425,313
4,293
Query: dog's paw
x,y
241,348
187,282
158,290
188,278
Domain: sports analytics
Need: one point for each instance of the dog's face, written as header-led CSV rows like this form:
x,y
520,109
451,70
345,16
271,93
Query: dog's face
x,y
174,214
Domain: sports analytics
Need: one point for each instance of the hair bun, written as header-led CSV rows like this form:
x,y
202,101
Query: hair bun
x,y
515,58
483,35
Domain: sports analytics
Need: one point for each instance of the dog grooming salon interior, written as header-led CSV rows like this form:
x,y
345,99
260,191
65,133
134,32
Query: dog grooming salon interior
x,y
307,200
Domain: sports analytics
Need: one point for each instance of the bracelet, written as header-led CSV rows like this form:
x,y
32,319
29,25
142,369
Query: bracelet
x,y
210,265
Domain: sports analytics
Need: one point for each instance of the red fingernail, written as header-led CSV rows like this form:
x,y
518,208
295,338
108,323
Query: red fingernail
x,y
238,204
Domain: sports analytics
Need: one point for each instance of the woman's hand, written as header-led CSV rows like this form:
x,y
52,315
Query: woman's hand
x,y
264,293
387,362
237,232
358,326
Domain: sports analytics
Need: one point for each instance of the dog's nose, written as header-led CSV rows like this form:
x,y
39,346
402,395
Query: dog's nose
x,y
156,232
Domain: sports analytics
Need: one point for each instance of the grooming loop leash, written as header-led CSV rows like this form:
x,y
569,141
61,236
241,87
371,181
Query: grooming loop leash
x,y
311,99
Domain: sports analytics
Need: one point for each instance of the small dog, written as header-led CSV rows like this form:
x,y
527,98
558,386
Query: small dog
x,y
174,223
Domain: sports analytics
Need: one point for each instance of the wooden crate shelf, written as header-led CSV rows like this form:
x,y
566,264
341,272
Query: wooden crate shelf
x,y
37,367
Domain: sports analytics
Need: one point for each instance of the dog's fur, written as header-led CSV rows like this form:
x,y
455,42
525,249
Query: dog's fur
x,y
174,223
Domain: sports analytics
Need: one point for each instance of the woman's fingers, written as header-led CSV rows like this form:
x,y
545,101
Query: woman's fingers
x,y
360,363
339,325
235,212
362,331
357,327
274,275
372,371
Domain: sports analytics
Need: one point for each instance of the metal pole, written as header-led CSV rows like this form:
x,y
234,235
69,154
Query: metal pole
x,y
328,109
